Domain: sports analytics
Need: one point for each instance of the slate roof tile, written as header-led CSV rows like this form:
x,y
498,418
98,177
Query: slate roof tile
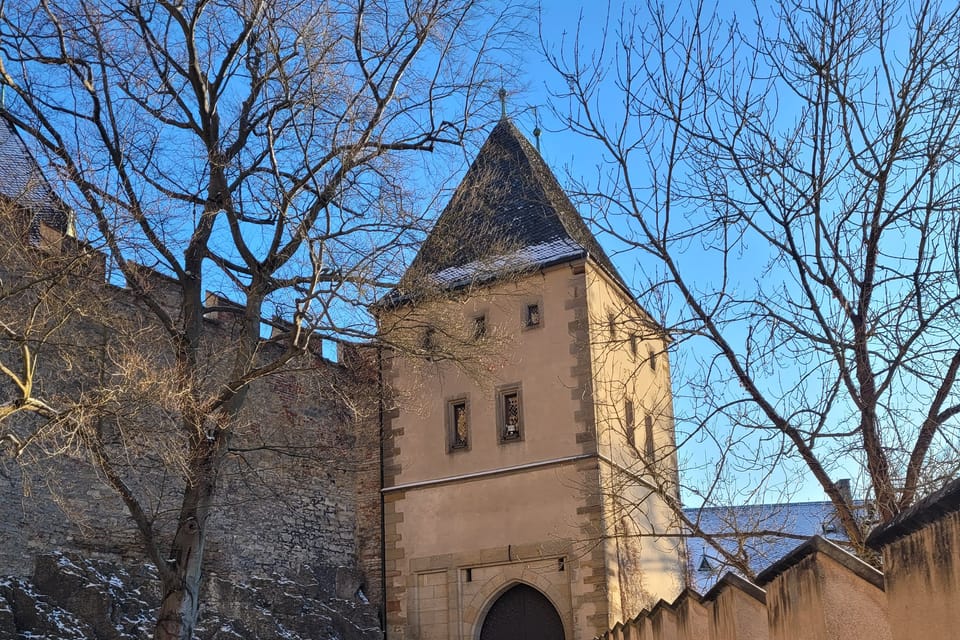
x,y
798,519
22,182
508,213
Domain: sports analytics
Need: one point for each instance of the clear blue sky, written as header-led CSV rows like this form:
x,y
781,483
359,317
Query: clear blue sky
x,y
569,155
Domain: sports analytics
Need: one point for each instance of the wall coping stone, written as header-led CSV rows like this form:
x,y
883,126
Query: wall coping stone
x,y
732,580
934,507
817,544
687,594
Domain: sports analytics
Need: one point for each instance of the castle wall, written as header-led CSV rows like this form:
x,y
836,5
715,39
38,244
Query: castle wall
x,y
298,494
819,591
921,562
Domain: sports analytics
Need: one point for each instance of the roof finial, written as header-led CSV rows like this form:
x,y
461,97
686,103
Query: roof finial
x,y
503,103
536,128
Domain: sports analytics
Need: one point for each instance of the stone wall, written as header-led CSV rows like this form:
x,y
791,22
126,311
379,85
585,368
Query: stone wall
x,y
821,592
74,598
299,493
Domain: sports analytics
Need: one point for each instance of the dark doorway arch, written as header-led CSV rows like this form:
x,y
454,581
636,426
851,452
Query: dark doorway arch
x,y
522,613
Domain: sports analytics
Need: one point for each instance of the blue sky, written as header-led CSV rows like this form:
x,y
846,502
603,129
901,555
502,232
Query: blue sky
x,y
571,157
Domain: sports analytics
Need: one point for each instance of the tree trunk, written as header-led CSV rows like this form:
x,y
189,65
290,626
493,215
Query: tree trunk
x,y
181,582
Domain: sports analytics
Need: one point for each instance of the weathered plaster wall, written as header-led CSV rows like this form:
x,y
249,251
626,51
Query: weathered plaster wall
x,y
922,573
629,363
484,507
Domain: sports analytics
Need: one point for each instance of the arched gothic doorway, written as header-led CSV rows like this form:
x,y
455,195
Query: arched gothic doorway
x,y
522,613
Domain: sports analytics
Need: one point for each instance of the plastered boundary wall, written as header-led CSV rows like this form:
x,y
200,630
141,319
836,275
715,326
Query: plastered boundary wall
x,y
315,518
821,592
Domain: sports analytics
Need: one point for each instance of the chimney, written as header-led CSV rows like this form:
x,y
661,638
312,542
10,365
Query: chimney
x,y
843,486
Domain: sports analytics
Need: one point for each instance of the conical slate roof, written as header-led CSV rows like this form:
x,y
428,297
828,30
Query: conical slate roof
x,y
22,182
508,213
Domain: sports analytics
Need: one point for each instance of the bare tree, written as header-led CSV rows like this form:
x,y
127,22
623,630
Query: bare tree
x,y
248,147
786,182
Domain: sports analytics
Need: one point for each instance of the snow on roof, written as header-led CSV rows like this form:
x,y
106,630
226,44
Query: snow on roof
x,y
508,210
751,528
532,256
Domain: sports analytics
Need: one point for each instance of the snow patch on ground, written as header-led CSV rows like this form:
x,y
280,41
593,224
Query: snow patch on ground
x,y
72,598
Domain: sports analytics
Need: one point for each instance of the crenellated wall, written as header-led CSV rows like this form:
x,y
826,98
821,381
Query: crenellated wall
x,y
819,591
298,495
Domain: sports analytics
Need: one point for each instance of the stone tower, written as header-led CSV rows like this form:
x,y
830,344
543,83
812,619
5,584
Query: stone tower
x,y
529,458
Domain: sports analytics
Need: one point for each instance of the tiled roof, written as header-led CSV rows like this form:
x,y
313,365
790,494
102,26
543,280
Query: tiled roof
x,y
800,520
22,182
508,213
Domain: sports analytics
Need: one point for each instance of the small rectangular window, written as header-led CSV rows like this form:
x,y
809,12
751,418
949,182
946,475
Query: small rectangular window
x,y
628,422
633,345
458,423
652,359
509,413
612,326
479,327
531,316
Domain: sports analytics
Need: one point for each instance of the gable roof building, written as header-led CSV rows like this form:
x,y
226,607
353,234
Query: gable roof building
x,y
789,525
759,533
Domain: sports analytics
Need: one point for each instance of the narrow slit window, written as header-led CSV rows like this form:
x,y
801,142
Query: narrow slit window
x,y
628,422
429,340
458,423
511,412
479,327
649,449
